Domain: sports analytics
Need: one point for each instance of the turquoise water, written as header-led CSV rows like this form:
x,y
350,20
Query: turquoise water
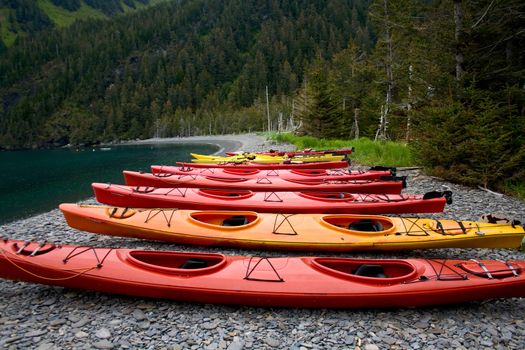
x,y
37,181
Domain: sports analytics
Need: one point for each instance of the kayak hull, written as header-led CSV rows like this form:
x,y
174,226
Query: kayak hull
x,y
265,159
306,174
248,165
297,153
267,202
306,232
263,184
271,282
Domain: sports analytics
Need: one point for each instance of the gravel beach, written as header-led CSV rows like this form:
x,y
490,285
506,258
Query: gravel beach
x,y
43,317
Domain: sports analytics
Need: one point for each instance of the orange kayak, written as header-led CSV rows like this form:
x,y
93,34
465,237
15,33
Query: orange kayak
x,y
288,174
264,184
312,232
272,166
262,281
270,202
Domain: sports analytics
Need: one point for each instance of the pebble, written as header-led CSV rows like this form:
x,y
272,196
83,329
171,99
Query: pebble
x,y
57,322
236,345
46,346
80,323
103,333
103,344
272,342
59,318
138,315
81,334
35,333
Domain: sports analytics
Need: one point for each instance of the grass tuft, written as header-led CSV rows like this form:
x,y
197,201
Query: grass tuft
x,y
515,189
367,152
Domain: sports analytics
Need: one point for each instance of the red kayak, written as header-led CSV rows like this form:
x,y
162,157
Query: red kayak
x,y
269,166
264,184
262,281
289,174
297,153
269,202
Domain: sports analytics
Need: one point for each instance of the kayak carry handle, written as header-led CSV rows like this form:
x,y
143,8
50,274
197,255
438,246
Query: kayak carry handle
x,y
395,178
438,194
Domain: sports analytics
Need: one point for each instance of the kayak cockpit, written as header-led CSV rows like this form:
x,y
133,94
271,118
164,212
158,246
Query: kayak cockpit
x,y
241,172
328,196
355,224
29,248
176,262
309,172
224,219
367,271
224,194
226,179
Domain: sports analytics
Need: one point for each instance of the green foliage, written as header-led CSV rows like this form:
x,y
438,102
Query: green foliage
x,y
477,141
367,152
318,109
62,17
26,17
71,5
179,67
515,189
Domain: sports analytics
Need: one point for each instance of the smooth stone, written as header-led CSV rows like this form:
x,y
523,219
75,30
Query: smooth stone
x,y
236,345
81,334
35,333
138,315
371,347
57,322
49,302
45,346
103,344
103,333
272,342
421,324
81,323
210,325
389,340
145,324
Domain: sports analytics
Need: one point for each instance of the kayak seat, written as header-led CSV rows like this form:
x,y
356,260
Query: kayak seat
x,y
367,270
236,220
366,225
194,263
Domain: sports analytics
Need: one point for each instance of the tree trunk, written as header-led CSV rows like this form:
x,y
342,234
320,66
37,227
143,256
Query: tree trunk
x,y
268,110
409,105
381,133
356,124
458,35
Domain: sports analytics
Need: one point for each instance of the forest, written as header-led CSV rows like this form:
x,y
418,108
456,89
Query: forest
x,y
447,77
19,18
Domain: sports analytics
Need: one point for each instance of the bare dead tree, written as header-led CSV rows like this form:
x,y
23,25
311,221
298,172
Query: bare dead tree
x,y
458,35
381,133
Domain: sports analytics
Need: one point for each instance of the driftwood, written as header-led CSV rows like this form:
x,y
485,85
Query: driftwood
x,y
489,191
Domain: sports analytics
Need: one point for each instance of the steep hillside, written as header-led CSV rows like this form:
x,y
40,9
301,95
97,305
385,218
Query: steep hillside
x,y
22,17
167,70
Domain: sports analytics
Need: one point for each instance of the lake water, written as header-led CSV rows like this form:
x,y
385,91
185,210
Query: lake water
x,y
33,182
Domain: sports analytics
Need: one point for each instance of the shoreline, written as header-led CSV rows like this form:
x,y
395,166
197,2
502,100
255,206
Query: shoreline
x,y
60,318
226,143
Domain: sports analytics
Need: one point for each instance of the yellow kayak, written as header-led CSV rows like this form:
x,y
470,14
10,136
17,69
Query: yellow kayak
x,y
319,232
264,159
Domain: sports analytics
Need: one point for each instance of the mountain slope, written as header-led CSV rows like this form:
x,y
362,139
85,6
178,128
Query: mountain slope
x,y
119,79
22,17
